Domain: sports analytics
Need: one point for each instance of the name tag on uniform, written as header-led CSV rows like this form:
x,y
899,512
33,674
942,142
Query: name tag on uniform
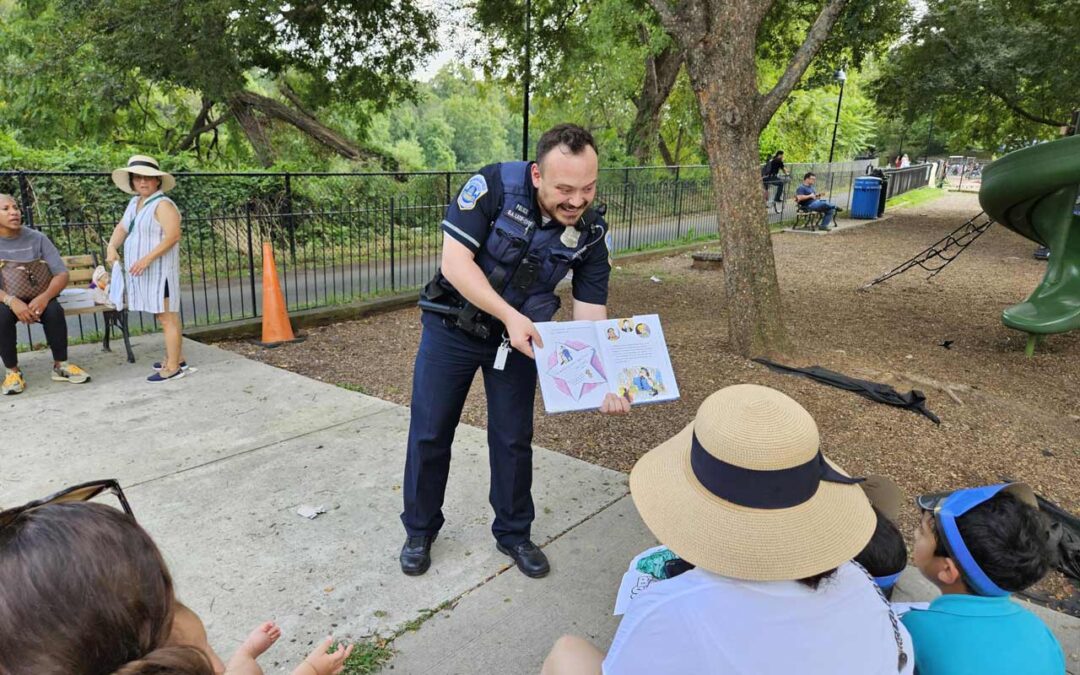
x,y
521,219
570,237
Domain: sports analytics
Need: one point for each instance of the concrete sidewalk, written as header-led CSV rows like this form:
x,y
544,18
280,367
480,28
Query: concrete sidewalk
x,y
216,464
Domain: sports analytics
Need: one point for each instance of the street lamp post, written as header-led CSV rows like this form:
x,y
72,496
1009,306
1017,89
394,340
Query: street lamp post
x,y
528,69
929,136
840,77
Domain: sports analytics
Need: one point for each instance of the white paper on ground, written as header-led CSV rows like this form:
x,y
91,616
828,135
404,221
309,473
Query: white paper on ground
x,y
310,512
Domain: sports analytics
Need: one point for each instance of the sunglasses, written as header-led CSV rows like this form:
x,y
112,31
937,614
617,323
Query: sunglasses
x,y
83,492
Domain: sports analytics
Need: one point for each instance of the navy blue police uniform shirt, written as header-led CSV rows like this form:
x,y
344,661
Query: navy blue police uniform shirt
x,y
469,218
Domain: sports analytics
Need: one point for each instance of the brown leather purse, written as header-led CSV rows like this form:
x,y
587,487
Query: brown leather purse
x,y
24,280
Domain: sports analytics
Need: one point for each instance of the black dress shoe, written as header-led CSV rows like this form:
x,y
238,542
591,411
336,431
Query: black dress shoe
x,y
530,560
416,555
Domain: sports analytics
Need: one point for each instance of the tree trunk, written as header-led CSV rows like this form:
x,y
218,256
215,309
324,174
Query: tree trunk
x,y
309,125
719,39
661,70
254,130
724,78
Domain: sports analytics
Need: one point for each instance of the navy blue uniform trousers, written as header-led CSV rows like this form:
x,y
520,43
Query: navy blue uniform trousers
x,y
445,366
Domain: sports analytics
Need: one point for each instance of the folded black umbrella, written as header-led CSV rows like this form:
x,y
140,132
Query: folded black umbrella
x,y
875,391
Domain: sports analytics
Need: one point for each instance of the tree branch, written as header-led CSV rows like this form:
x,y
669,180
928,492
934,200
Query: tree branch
x,y
202,125
288,92
305,123
815,37
995,91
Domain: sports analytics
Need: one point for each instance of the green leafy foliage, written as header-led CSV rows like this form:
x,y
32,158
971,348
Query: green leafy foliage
x,y
995,74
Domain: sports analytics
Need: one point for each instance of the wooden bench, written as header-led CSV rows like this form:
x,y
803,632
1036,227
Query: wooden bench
x,y
80,273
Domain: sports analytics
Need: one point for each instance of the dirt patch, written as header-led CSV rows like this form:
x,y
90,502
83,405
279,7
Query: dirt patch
x,y
1003,415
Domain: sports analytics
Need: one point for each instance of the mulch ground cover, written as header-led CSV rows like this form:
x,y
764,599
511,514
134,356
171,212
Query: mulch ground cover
x,y
1003,415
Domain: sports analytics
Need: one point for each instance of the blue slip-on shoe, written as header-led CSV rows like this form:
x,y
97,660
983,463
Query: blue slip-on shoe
x,y
158,377
159,365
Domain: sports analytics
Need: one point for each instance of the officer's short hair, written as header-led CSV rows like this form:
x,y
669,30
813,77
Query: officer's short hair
x,y
572,136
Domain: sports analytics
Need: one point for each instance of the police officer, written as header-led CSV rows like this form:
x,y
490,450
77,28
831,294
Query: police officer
x,y
515,230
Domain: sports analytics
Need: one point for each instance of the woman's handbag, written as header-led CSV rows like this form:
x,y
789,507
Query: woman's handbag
x,y
24,280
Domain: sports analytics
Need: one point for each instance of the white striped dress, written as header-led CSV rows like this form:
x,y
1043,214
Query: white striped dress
x,y
146,292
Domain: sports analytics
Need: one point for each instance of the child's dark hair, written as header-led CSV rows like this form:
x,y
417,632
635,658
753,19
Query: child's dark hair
x,y
886,553
575,138
84,591
1007,538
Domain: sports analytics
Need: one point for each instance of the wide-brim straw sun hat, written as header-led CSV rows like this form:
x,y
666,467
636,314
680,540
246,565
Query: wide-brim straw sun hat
x,y
744,491
141,165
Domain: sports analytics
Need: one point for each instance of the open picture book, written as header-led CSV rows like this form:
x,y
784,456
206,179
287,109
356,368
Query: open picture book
x,y
583,361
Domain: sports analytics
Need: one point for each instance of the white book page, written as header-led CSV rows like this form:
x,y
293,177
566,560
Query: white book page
x,y
570,366
635,351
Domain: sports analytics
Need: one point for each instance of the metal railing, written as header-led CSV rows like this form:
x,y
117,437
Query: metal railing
x,y
354,243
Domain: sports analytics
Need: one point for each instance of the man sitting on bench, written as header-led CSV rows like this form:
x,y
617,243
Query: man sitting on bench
x,y
806,199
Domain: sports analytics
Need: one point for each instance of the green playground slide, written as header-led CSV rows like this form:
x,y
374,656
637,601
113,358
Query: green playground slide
x,y
1033,192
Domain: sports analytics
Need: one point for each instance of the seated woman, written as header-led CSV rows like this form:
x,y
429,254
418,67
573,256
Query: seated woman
x,y
19,244
767,527
84,591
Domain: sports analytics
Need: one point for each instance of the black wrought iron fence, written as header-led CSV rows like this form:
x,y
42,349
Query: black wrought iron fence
x,y
341,237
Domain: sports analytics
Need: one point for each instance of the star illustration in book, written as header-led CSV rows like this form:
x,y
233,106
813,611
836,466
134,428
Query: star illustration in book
x,y
576,369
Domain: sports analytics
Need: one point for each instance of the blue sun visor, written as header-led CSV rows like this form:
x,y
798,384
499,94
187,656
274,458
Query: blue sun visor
x,y
949,506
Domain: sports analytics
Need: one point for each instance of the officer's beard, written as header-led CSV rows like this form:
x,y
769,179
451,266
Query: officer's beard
x,y
562,213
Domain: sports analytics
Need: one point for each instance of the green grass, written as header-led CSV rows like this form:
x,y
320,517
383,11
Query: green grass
x,y
691,237
358,389
916,197
368,657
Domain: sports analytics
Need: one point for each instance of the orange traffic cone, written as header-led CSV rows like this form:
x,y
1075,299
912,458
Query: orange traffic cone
x,y
276,329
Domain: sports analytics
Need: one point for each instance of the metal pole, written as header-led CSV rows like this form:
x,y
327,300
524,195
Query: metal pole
x,y
930,135
393,270
24,196
528,72
836,126
251,262
290,224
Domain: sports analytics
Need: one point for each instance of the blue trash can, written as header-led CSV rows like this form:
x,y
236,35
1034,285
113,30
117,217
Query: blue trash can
x,y
864,200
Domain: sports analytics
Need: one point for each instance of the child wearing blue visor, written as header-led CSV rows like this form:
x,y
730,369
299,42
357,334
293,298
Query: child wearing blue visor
x,y
978,546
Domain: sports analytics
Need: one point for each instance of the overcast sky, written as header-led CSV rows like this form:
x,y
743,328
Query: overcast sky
x,y
455,35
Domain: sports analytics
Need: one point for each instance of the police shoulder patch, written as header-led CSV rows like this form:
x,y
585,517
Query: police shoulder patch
x,y
609,244
476,188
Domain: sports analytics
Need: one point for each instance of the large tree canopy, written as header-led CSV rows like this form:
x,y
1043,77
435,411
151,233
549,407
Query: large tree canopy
x,y
630,66
999,73
305,55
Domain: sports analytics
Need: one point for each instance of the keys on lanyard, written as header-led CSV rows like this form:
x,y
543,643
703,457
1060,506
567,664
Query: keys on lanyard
x,y
503,352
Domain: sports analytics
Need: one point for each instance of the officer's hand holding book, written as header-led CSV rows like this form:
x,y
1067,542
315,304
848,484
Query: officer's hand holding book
x,y
614,405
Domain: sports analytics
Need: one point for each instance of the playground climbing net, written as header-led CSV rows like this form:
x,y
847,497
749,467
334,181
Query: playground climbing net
x,y
938,255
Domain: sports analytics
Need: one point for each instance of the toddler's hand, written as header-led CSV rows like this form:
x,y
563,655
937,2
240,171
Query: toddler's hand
x,y
323,663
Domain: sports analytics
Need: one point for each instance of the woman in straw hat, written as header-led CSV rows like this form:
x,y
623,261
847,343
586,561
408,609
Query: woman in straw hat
x,y
150,233
768,527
